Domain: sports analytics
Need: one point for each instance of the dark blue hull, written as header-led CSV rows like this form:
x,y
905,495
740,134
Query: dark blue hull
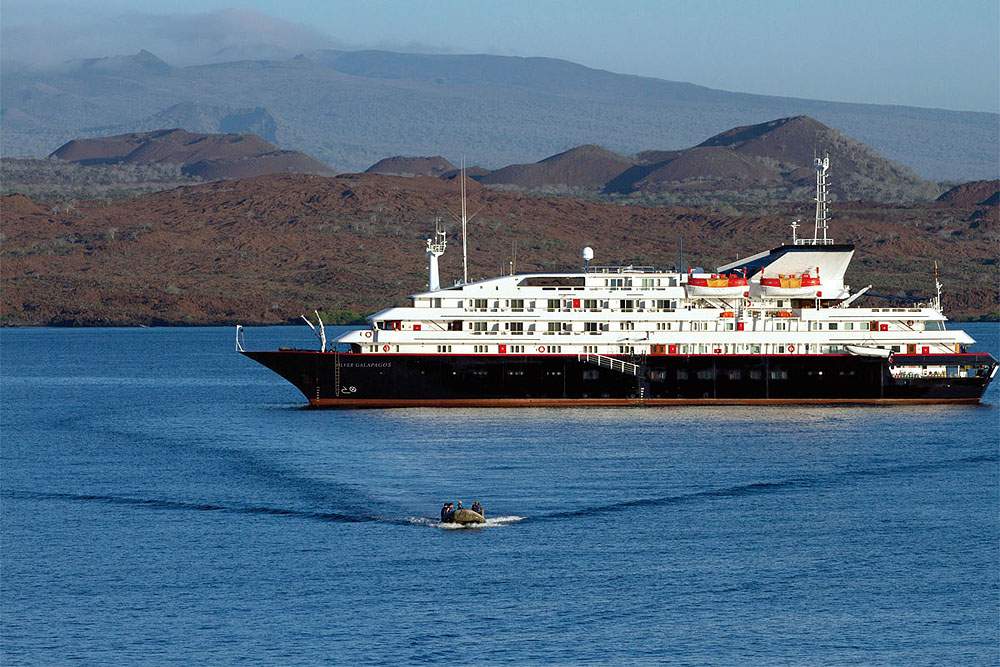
x,y
390,380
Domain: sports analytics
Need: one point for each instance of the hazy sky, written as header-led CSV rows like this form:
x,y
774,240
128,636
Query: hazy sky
x,y
913,52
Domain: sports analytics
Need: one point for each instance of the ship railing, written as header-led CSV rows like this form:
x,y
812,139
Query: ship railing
x,y
610,362
621,269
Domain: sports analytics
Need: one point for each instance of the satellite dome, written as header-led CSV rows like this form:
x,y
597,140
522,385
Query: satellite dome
x,y
588,253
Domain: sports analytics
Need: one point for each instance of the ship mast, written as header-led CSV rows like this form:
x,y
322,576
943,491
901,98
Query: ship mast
x,y
465,223
821,166
465,218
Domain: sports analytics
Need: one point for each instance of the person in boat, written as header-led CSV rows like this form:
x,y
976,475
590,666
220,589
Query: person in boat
x,y
478,509
444,510
459,506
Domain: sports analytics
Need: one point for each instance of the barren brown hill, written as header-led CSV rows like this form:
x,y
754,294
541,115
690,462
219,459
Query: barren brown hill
x,y
776,157
411,166
176,145
270,248
717,165
276,162
580,167
973,193
209,156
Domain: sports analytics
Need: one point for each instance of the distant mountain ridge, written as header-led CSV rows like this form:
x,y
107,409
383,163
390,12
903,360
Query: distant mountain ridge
x,y
207,156
351,109
211,119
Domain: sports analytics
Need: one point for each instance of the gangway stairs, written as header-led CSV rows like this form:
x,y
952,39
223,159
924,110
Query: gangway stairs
x,y
610,362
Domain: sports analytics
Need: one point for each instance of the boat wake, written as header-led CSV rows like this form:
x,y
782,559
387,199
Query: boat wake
x,y
335,517
493,522
360,515
253,510
760,488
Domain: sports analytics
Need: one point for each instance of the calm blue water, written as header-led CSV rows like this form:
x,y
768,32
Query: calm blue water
x,y
164,500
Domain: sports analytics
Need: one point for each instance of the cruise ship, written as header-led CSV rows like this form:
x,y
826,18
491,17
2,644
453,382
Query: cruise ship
x,y
779,326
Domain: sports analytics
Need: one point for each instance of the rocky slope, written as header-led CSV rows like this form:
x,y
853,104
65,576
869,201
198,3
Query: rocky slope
x,y
270,248
974,193
205,156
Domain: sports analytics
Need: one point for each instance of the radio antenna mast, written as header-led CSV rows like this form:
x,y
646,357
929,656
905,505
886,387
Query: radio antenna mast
x,y
465,222
464,219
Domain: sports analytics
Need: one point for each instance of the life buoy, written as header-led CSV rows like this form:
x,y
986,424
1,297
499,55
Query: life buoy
x,y
541,348
909,323
368,334
747,303
791,348
385,348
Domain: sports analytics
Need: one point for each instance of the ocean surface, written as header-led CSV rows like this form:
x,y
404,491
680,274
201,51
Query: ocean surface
x,y
164,500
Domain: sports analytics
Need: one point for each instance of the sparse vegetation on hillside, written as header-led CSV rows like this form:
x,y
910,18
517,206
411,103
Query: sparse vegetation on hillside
x,y
55,180
268,249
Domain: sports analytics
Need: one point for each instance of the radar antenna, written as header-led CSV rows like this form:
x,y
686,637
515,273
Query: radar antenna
x,y
435,248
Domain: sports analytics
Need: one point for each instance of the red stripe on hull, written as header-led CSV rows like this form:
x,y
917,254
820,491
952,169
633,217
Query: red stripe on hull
x,y
608,402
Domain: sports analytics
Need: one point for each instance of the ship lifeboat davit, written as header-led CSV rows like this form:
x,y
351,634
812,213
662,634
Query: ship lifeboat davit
x,y
464,517
791,285
716,284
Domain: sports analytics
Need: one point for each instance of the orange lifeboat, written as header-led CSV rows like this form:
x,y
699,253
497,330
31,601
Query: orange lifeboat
x,y
717,284
791,285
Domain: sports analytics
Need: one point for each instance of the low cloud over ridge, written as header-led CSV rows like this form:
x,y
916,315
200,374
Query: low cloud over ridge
x,y
46,40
